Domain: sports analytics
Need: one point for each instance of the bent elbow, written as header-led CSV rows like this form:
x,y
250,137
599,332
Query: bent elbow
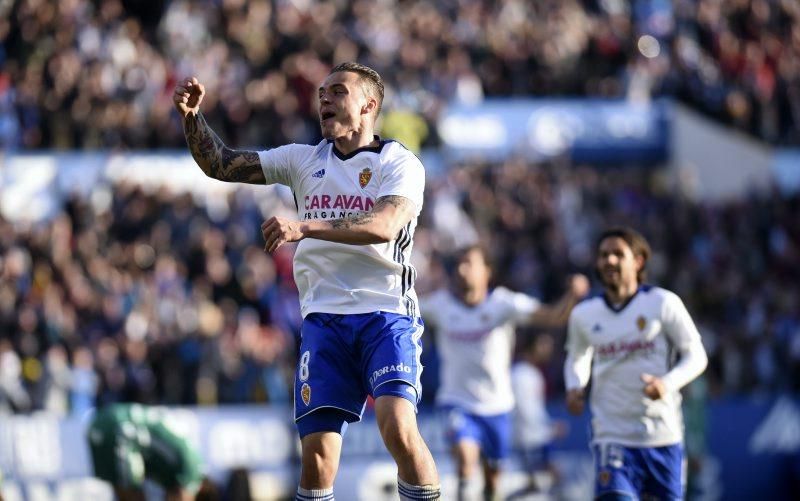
x,y
385,234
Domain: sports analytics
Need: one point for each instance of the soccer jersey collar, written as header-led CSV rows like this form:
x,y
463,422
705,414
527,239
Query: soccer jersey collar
x,y
371,149
619,308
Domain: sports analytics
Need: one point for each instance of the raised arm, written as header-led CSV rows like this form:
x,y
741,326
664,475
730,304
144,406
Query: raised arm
x,y
556,314
214,158
381,224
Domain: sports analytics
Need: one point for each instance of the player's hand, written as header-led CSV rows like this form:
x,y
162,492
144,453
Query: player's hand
x,y
277,231
576,401
188,96
578,285
653,386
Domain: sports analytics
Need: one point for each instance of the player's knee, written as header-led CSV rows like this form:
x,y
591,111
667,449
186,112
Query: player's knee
x,y
399,434
400,437
320,459
319,468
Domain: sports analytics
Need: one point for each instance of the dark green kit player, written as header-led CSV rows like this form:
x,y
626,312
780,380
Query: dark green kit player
x,y
129,442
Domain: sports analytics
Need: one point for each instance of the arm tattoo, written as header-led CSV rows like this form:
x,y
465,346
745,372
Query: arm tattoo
x,y
404,205
217,160
348,222
395,201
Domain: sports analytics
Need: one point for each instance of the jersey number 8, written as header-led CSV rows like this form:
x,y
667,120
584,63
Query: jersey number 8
x,y
303,371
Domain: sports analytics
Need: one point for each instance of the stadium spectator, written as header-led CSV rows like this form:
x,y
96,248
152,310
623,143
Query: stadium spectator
x,y
88,75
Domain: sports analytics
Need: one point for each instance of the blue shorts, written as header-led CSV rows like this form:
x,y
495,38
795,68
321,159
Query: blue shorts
x,y
536,458
491,433
344,358
639,471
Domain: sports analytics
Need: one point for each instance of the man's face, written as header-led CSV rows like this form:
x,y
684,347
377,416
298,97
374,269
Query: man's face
x,y
472,271
342,104
616,263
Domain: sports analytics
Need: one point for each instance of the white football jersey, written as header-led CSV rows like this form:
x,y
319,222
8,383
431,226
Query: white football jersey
x,y
475,346
532,426
615,346
341,278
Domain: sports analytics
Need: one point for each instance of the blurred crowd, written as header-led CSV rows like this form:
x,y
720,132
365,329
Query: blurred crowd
x,y
144,299
100,74
141,295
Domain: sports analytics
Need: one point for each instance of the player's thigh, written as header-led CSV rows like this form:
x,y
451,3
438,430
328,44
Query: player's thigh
x,y
328,373
466,454
496,438
617,472
666,467
391,348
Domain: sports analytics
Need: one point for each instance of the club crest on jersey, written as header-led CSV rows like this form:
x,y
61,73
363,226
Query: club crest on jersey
x,y
641,323
604,477
305,393
364,176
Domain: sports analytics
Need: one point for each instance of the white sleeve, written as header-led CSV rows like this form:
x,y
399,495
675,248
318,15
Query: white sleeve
x,y
523,307
681,331
578,366
279,163
404,176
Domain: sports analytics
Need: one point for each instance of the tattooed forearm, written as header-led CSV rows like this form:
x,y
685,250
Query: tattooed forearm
x,y
349,222
386,218
217,160
204,144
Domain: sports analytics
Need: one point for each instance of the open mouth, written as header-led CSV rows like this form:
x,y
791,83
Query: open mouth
x,y
326,115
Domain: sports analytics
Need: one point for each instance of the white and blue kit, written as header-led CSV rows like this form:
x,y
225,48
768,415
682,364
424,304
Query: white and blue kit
x,y
361,330
533,429
475,344
637,441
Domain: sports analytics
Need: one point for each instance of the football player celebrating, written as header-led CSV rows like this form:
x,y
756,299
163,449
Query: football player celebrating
x,y
625,341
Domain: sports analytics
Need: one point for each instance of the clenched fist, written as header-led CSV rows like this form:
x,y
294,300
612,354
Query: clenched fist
x,y
576,401
188,96
578,285
278,231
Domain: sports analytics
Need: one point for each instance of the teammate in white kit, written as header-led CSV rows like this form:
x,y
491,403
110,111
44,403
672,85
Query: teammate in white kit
x,y
626,341
358,198
475,338
534,431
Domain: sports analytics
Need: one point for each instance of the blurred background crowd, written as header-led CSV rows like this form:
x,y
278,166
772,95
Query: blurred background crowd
x,y
148,298
143,295
100,74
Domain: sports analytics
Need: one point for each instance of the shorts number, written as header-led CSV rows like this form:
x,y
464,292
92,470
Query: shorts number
x,y
303,371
